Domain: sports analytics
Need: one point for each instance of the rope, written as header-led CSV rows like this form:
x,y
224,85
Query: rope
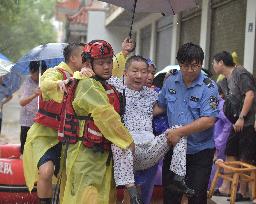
x,y
133,15
123,102
56,199
56,194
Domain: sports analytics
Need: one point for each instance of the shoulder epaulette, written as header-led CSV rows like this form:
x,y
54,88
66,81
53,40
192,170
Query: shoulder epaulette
x,y
208,82
173,71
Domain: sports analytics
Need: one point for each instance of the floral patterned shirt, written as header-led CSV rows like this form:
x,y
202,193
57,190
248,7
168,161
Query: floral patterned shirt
x,y
138,110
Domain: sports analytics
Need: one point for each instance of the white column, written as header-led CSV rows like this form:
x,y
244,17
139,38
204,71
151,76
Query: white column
x,y
175,37
137,50
249,35
205,31
153,41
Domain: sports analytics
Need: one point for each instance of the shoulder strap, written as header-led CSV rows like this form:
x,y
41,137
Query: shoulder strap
x,y
71,87
66,74
225,82
70,95
228,90
114,89
121,97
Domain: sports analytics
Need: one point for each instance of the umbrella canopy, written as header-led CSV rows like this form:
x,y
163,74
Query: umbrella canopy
x,y
51,53
167,7
12,79
5,66
3,57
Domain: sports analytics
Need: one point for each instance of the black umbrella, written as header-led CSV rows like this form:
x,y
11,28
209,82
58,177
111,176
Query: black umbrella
x,y
166,7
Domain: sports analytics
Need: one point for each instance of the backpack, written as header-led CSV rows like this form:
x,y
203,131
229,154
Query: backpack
x,y
232,108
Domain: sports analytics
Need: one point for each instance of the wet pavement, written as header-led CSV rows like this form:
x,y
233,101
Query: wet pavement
x,y
223,200
10,125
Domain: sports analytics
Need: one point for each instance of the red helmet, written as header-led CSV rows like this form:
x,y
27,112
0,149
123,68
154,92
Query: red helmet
x,y
97,49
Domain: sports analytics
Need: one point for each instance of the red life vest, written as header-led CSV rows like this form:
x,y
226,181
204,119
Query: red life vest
x,y
69,125
48,113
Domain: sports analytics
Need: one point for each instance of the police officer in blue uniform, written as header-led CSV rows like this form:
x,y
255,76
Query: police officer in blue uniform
x,y
190,100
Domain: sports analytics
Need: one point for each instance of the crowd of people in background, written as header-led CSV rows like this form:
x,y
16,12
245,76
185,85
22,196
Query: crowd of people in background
x,y
239,87
99,120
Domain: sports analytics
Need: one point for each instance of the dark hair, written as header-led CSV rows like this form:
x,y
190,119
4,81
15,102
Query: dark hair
x,y
69,49
154,67
158,81
189,52
207,72
226,57
34,66
134,58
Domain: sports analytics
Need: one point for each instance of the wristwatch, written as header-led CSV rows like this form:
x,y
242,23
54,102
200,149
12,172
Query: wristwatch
x,y
241,117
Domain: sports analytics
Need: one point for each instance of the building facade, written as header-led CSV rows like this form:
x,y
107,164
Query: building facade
x,y
74,16
214,24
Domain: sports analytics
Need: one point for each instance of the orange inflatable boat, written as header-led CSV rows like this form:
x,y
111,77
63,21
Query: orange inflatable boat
x,y
12,182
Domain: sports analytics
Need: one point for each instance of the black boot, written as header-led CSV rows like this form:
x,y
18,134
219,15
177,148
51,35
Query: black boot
x,y
134,195
178,184
45,200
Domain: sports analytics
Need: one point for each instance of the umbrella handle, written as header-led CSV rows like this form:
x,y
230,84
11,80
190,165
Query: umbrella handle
x,y
133,15
39,73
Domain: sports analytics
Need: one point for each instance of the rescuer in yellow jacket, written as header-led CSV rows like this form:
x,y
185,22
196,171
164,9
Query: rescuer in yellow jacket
x,y
89,165
42,152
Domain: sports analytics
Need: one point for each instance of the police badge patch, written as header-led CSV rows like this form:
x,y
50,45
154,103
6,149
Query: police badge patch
x,y
194,98
173,71
214,102
172,91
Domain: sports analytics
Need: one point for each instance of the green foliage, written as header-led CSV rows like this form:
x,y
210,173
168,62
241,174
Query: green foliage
x,y
7,8
25,24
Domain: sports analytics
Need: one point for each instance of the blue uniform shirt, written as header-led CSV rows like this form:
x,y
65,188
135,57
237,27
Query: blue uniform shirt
x,y
186,104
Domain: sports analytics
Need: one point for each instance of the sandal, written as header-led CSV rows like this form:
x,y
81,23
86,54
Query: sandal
x,y
218,193
240,198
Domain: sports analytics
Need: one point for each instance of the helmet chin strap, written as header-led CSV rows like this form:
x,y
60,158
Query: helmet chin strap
x,y
97,77
100,79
